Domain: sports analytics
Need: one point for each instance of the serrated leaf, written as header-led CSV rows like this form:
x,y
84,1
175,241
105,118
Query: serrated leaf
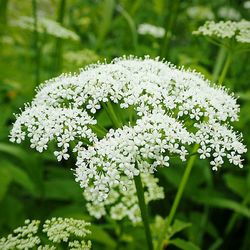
x,y
183,244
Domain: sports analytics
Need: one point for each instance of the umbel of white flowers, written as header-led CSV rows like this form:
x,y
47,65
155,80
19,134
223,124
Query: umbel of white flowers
x,y
170,110
57,230
124,203
152,30
240,31
45,25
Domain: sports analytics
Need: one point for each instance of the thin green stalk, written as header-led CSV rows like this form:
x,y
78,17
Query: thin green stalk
x,y
100,131
182,185
137,179
171,20
3,12
107,11
144,210
59,42
225,69
131,25
205,216
112,115
219,63
36,43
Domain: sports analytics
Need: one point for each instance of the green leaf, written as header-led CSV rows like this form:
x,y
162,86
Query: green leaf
x,y
5,180
14,151
18,176
62,189
236,183
215,199
183,244
177,227
99,235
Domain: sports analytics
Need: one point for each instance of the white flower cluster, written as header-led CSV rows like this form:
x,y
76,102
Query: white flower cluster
x,y
246,5
81,57
227,12
45,25
122,203
200,12
173,107
129,151
61,229
152,30
23,237
240,31
58,230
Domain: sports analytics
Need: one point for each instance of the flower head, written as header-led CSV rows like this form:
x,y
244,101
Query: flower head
x,y
165,110
123,202
149,29
45,25
58,230
230,30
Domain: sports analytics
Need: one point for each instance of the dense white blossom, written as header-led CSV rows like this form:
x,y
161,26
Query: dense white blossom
x,y
170,109
61,229
81,57
123,203
45,25
200,12
246,5
152,30
229,13
57,230
240,31
23,237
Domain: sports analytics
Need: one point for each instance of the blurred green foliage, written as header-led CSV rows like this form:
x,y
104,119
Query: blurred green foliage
x,y
33,185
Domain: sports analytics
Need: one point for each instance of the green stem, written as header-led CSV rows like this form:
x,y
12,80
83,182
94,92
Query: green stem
x,y
3,12
108,8
144,210
100,131
182,185
59,42
36,43
225,69
219,63
137,179
112,115
171,20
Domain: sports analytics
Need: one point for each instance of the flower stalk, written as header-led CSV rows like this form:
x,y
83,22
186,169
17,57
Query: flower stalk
x,y
138,183
59,42
225,69
144,210
182,185
36,44
219,63
169,28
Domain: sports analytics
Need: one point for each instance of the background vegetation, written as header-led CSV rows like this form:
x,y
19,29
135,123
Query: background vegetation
x,y
34,185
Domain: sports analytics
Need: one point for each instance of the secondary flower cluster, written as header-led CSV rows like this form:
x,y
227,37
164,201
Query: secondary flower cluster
x,y
130,151
57,230
240,31
170,109
122,203
152,30
45,25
